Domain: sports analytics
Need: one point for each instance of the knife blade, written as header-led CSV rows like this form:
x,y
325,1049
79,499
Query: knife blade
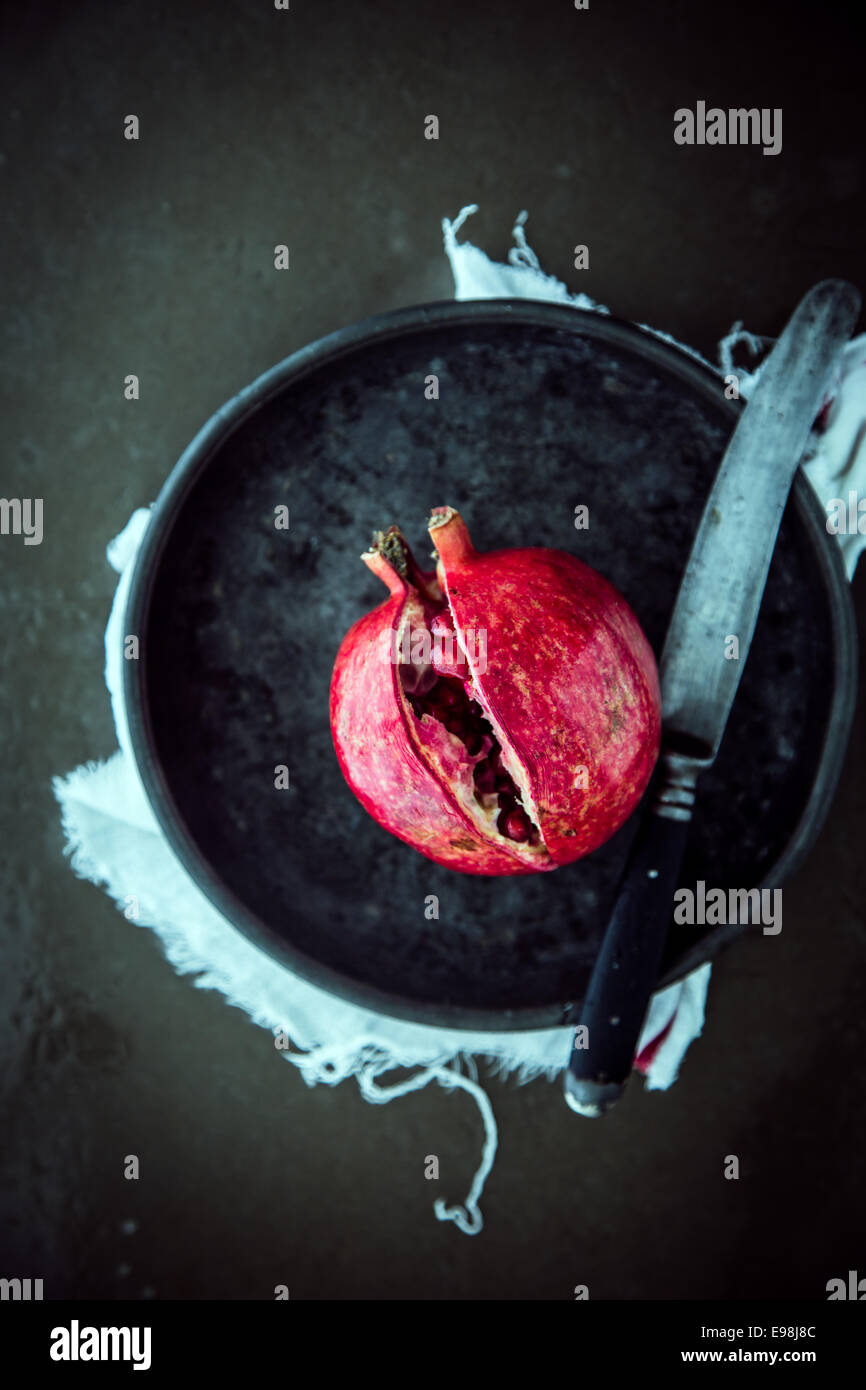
x,y
719,597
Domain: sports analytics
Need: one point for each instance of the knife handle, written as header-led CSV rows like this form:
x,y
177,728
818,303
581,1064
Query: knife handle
x,y
626,969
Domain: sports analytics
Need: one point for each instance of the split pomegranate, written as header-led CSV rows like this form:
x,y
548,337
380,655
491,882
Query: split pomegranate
x,y
501,714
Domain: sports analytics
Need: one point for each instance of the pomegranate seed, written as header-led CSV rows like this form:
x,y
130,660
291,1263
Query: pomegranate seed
x,y
515,824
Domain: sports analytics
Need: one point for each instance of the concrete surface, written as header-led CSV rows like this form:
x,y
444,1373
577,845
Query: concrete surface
x,y
156,257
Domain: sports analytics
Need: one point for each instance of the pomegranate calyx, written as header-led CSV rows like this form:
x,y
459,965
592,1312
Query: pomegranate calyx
x,y
390,557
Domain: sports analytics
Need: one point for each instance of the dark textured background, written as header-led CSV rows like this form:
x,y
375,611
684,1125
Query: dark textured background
x,y
156,257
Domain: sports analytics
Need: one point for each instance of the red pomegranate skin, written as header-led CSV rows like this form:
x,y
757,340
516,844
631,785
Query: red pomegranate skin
x,y
555,712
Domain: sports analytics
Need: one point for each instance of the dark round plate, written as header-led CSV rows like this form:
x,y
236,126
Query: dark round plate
x,y
540,408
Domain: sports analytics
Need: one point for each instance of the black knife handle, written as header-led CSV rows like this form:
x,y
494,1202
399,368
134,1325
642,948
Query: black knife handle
x,y
626,970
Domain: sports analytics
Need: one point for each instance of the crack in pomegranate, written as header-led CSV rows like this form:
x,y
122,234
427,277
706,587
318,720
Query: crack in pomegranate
x,y
447,702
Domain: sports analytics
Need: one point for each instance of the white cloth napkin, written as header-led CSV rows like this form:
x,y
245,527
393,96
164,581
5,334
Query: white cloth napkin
x,y
113,839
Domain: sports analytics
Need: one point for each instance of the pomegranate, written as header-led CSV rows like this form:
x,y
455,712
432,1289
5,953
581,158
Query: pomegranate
x,y
501,714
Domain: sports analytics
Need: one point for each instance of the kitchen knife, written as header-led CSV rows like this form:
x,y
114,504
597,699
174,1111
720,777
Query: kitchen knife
x,y
719,597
